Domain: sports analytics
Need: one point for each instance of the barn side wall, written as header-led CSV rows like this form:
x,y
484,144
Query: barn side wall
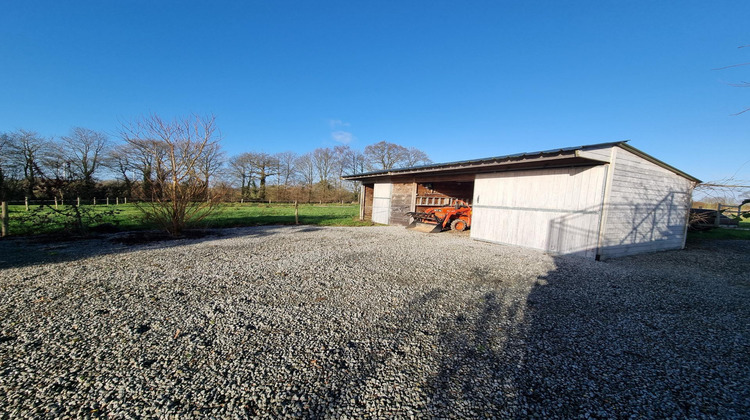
x,y
646,207
554,210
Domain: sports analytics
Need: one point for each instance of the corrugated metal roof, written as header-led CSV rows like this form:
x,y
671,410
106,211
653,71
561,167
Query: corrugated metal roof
x,y
563,153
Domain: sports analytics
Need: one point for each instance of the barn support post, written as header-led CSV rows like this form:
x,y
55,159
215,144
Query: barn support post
x,y
362,201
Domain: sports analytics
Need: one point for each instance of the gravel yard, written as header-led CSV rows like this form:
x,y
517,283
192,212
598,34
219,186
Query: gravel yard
x,y
369,322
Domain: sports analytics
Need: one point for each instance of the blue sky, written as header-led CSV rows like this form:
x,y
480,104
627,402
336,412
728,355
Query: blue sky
x,y
460,80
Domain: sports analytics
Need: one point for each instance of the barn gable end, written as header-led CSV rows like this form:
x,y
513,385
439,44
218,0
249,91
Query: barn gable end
x,y
646,207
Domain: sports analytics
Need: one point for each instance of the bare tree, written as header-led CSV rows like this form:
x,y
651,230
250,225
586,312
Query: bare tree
x,y
4,164
264,166
305,164
29,148
385,155
324,160
349,161
740,84
176,147
122,161
241,168
286,167
416,157
210,163
85,150
146,157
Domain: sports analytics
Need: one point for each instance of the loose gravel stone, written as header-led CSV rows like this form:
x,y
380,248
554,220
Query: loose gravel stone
x,y
375,322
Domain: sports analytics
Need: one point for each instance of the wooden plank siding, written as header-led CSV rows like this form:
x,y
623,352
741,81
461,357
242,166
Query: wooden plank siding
x,y
646,207
402,200
555,210
366,198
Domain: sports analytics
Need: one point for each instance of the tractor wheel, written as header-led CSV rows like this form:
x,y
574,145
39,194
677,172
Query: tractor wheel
x,y
459,225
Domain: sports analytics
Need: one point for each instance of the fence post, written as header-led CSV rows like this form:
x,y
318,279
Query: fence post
x,y
94,200
296,213
26,201
4,219
117,201
78,201
126,200
55,202
107,200
717,220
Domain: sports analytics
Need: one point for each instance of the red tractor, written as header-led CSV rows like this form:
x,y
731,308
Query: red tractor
x,y
438,219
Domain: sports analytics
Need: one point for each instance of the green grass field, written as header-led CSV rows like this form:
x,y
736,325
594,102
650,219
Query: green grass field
x,y
129,217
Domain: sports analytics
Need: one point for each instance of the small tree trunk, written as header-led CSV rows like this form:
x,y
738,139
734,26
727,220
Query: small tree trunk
x,y
26,201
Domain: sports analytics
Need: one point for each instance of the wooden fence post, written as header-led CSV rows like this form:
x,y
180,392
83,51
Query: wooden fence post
x,y
126,200
717,220
117,201
4,219
55,202
26,201
78,201
296,213
94,200
107,200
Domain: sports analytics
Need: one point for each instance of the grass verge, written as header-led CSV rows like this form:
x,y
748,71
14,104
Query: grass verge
x,y
720,233
128,217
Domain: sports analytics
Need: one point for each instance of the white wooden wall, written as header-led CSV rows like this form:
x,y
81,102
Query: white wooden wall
x,y
646,207
555,210
381,203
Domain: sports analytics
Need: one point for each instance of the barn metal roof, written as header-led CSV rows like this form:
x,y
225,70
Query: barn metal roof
x,y
543,159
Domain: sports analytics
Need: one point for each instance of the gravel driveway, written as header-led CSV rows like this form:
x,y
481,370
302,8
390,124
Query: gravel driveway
x,y
369,322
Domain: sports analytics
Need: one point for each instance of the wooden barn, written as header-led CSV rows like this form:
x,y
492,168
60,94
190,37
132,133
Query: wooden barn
x,y
598,201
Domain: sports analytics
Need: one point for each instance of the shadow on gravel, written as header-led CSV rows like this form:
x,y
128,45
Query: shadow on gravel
x,y
633,336
652,340
22,252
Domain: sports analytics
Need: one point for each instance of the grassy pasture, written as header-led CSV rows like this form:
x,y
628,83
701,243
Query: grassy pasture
x,y
129,217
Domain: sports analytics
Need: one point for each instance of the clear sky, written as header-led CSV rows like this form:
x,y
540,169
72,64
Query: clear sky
x,y
460,80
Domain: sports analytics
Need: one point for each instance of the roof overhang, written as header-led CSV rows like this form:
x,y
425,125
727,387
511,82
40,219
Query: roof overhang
x,y
556,158
536,160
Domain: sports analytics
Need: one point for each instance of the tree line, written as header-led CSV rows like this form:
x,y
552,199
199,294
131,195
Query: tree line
x,y
150,159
